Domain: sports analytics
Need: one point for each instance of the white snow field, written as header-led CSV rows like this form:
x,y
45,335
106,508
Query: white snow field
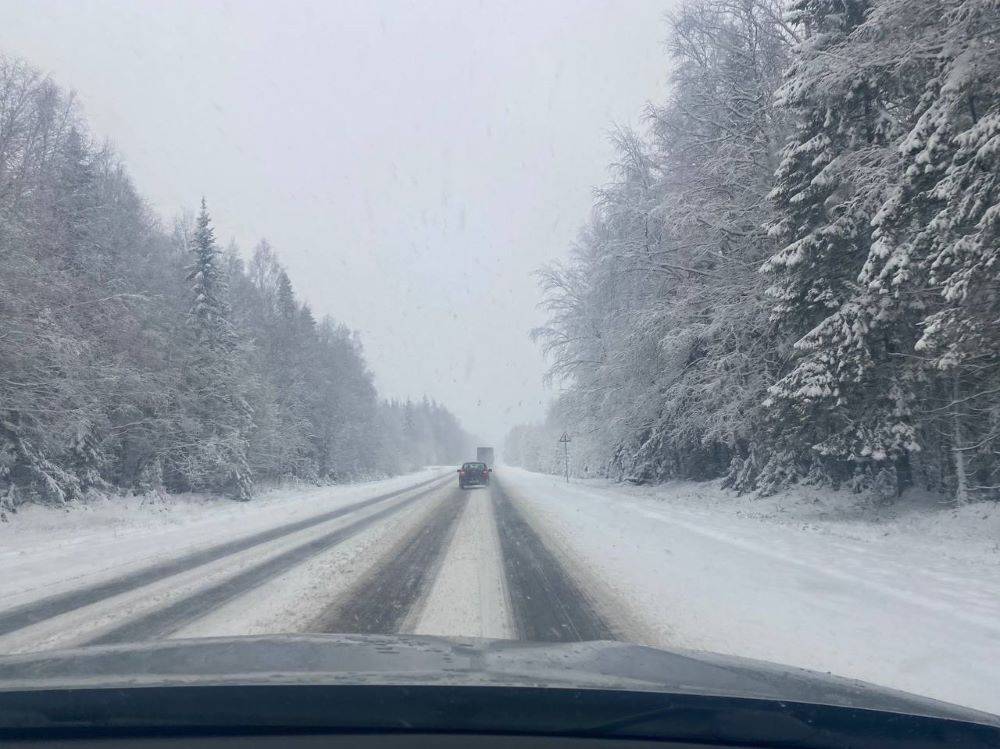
x,y
806,578
909,600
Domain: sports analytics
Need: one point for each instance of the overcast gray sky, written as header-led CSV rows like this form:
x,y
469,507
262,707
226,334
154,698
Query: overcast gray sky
x,y
411,162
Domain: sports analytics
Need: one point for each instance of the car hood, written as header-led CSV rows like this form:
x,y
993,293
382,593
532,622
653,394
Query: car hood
x,y
411,660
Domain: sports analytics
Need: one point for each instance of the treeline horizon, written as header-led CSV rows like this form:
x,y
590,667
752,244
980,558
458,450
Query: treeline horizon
x,y
794,274
136,358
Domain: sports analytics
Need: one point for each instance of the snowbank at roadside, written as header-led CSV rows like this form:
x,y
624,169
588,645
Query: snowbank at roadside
x,y
930,523
908,599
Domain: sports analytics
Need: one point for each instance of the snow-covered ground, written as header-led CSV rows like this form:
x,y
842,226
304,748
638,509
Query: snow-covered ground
x,y
813,579
291,602
44,550
907,597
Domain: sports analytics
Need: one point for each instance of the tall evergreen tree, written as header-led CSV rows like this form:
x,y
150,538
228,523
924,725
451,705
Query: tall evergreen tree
x,y
941,230
215,457
209,313
840,413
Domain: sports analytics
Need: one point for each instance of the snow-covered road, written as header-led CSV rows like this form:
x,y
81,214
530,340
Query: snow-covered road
x,y
529,558
418,556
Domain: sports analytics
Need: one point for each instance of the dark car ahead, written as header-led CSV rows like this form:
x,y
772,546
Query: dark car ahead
x,y
473,474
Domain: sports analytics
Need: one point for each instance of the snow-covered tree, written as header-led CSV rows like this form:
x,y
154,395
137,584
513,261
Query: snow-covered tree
x,y
841,412
215,388
939,242
134,359
658,324
864,352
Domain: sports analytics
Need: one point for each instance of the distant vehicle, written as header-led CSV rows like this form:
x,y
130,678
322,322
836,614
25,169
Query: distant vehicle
x,y
473,474
485,454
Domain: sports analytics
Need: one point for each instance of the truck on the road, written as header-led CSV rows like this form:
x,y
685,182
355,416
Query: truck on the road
x,y
485,455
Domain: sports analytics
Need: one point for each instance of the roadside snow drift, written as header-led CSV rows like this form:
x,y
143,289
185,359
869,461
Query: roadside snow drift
x,y
911,602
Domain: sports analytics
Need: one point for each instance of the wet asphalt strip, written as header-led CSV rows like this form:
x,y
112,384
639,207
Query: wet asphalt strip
x,y
46,608
546,604
164,621
381,600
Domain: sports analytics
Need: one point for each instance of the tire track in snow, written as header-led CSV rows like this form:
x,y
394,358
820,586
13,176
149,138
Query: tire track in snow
x,y
164,621
546,604
381,601
38,611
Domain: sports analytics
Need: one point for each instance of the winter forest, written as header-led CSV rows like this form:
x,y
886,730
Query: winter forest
x,y
137,357
793,275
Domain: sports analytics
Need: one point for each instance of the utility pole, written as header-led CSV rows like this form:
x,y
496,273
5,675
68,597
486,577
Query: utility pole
x,y
566,439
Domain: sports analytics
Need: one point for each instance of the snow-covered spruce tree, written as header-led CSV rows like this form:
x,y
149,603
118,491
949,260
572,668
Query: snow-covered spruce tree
x,y
841,413
944,223
893,46
218,415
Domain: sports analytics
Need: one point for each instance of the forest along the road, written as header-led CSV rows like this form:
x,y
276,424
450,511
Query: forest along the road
x,y
428,558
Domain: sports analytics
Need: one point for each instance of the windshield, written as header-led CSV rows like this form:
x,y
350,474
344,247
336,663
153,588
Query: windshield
x,y
669,323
